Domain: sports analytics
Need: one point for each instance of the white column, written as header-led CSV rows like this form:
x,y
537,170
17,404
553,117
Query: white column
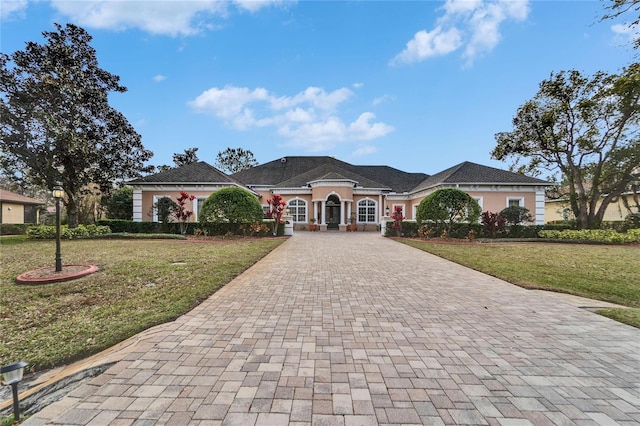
x,y
137,205
323,219
349,204
342,212
540,207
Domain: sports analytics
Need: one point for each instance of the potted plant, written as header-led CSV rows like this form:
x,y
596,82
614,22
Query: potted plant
x,y
312,224
352,226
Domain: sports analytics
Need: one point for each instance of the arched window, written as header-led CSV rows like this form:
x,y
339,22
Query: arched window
x,y
366,210
298,209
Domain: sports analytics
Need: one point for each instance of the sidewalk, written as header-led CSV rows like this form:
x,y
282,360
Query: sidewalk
x,y
355,329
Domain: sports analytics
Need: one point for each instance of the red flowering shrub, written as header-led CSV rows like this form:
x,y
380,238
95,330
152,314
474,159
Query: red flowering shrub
x,y
492,223
277,207
397,220
181,213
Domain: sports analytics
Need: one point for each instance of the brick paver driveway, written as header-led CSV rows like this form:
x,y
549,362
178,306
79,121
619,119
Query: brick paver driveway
x,y
356,329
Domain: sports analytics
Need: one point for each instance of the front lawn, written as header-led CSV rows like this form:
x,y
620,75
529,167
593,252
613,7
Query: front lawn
x,y
608,273
141,283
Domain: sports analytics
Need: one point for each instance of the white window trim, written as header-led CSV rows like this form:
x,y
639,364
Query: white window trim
x,y
480,201
404,208
153,209
375,210
520,201
306,209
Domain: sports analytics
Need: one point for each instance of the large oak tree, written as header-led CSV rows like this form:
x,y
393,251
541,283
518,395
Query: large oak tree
x,y
586,128
56,124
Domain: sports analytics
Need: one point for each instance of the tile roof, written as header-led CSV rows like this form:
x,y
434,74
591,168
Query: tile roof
x,y
199,172
468,172
12,197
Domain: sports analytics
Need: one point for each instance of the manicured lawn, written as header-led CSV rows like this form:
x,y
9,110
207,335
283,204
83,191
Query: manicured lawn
x,y
601,272
141,283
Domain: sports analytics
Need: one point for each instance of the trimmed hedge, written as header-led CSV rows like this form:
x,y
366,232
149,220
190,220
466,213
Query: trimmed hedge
x,y
606,236
45,232
14,228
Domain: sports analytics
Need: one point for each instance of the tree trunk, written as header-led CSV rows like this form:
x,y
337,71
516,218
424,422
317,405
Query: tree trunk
x,y
72,213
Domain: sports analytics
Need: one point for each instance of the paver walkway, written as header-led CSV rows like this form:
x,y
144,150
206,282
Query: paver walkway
x,y
356,329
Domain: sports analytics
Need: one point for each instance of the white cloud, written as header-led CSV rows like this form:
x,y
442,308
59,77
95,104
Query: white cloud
x,y
12,8
167,17
473,25
628,33
382,99
364,150
309,119
358,85
158,78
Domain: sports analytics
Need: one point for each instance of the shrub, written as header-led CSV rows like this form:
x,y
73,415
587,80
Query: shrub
x,y
594,235
447,207
516,215
409,229
82,231
14,228
492,224
231,205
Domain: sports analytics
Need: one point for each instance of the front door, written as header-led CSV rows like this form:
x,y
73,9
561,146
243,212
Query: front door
x,y
333,212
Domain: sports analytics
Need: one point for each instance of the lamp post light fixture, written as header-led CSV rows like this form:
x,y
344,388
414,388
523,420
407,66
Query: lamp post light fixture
x,y
58,194
386,211
10,375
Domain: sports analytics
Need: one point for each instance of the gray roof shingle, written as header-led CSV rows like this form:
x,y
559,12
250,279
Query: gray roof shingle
x,y
468,172
287,169
199,172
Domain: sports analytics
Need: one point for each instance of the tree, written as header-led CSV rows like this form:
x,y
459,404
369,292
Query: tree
x,y
56,124
233,205
277,207
164,209
618,8
446,207
516,215
188,157
119,204
492,223
234,160
584,128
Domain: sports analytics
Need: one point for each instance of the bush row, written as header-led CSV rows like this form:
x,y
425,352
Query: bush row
x,y
14,228
465,230
594,235
46,232
215,228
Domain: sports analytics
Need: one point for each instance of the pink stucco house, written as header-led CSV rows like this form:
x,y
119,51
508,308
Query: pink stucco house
x,y
333,191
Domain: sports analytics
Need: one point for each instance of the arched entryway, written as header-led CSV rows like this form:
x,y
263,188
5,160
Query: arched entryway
x,y
332,212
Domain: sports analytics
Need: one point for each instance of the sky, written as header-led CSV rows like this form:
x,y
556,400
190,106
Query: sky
x,y
416,85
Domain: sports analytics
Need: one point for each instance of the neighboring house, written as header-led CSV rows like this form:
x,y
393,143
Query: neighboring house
x,y
333,191
557,210
16,208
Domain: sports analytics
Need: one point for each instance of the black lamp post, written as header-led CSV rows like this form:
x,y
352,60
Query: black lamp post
x,y
58,193
10,375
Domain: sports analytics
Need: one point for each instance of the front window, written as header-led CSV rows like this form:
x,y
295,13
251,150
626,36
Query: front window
x,y
366,211
515,202
298,209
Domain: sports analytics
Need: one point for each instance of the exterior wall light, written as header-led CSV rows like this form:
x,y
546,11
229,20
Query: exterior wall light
x,y
10,375
386,211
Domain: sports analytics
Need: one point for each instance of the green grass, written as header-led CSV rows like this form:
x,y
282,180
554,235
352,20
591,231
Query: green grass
x,y
601,272
141,283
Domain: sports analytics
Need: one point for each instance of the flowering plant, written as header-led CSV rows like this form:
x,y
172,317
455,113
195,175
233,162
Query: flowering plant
x,y
397,217
181,213
277,207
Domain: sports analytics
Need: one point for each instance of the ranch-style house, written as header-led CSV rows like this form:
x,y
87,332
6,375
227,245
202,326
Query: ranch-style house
x,y
334,192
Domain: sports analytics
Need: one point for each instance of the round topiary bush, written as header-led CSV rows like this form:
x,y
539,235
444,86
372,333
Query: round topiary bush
x,y
446,207
231,205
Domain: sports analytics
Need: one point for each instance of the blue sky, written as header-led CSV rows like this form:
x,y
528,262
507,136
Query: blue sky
x,y
416,85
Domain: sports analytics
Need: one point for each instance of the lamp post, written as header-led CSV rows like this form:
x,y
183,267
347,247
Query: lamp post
x,y
58,193
10,375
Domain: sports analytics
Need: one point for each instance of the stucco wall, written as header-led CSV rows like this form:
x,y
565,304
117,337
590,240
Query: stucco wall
x,y
615,211
12,213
